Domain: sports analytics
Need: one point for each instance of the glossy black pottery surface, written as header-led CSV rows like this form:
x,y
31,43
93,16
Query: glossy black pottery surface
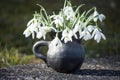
x,y
66,58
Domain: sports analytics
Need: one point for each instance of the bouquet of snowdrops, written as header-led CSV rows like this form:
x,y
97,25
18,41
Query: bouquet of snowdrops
x,y
70,22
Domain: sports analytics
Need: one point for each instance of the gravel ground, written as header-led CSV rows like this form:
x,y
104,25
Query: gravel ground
x,y
107,68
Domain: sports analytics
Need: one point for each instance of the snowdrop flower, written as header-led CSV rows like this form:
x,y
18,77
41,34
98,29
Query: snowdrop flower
x,y
32,27
67,35
101,17
90,28
76,29
69,13
43,31
85,35
58,20
98,35
97,16
33,24
56,41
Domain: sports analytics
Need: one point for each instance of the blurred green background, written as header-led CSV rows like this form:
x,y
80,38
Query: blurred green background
x,y
14,15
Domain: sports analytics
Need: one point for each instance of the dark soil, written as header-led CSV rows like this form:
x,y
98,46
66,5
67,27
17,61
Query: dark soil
x,y
107,68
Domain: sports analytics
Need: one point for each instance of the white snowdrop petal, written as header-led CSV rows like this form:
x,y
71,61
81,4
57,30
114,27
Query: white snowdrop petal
x,y
46,29
97,31
88,35
97,38
95,19
70,33
95,13
27,33
32,27
62,38
36,30
33,35
65,40
44,36
101,17
82,34
85,38
103,36
39,35
76,28
64,32
75,35
90,28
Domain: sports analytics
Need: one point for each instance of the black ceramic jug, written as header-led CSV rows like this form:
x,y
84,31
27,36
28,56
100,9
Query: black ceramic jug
x,y
66,58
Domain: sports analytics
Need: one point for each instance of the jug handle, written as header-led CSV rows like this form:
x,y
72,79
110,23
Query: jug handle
x,y
37,51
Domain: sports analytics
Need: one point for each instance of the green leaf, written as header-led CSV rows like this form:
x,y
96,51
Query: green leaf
x,y
76,11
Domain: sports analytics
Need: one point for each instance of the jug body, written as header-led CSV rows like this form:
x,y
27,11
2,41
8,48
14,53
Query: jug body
x,y
65,58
